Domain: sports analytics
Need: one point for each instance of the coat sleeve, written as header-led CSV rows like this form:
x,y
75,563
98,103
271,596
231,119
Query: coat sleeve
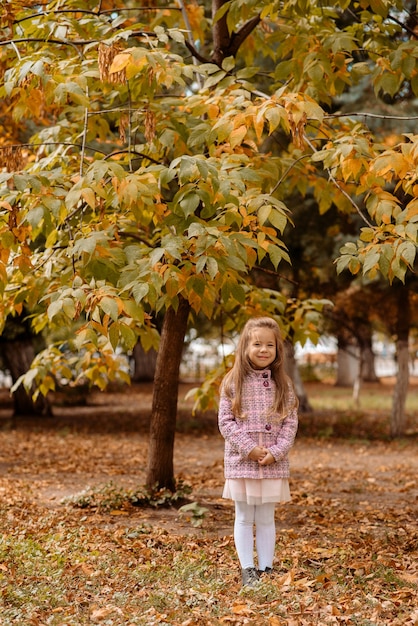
x,y
286,435
231,429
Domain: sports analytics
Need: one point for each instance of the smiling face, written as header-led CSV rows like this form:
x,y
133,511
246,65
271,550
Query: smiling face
x,y
262,348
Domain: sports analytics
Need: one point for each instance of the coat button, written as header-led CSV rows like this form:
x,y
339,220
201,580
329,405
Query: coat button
x,y
268,426
266,383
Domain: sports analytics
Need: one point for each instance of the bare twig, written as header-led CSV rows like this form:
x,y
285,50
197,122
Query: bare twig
x,y
84,137
80,145
342,190
96,13
68,42
291,166
277,274
190,39
379,116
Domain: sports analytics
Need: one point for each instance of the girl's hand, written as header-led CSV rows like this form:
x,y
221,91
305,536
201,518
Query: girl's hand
x,y
257,454
268,459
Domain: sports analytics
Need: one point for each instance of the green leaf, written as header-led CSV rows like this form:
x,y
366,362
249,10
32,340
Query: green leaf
x,y
128,336
189,204
213,80
406,251
68,307
140,291
371,261
385,260
110,307
276,255
367,234
237,292
54,309
212,267
21,182
114,335
196,284
228,64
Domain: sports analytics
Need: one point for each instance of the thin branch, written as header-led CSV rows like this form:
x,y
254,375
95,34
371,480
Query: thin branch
x,y
274,273
84,138
74,42
189,40
96,13
106,155
291,166
342,190
51,143
403,26
380,116
129,123
133,152
195,53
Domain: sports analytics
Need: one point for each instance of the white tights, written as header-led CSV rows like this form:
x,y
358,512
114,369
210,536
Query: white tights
x,y
262,516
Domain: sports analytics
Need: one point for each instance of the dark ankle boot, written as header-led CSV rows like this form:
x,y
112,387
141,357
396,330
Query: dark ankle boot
x,y
250,577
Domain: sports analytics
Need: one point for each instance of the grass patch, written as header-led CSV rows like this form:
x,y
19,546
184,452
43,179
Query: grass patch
x,y
110,497
87,574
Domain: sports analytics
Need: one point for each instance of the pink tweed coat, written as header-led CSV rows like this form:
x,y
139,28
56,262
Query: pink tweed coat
x,y
257,429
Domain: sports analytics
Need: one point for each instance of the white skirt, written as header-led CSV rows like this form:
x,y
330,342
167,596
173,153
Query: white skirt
x,y
257,491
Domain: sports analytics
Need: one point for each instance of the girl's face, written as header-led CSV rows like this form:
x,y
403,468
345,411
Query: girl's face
x,y
262,348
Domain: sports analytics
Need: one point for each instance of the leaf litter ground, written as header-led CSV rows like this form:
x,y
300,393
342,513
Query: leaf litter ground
x,y
346,544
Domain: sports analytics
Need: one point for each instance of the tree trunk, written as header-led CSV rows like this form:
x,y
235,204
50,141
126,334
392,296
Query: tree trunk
x,y
18,355
293,371
368,371
348,365
144,364
160,471
397,420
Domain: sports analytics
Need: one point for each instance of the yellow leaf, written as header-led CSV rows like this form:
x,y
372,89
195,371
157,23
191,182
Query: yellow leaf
x,y
286,580
213,111
303,583
350,167
412,207
325,553
258,123
237,136
89,197
120,62
391,162
242,609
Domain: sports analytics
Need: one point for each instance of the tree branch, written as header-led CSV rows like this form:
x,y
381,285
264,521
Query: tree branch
x,y
95,13
379,116
195,53
226,44
80,145
277,274
220,32
403,26
190,41
67,42
238,38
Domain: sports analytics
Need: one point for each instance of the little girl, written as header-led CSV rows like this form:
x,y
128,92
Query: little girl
x,y
258,420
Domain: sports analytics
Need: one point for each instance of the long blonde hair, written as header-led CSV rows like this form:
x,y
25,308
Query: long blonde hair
x,y
233,381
